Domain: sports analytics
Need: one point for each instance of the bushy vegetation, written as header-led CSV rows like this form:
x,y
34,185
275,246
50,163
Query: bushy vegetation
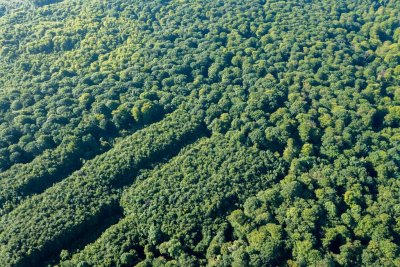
x,y
293,107
45,222
195,192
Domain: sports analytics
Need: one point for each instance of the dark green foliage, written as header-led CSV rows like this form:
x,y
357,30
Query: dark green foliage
x,y
79,201
297,103
210,178
44,2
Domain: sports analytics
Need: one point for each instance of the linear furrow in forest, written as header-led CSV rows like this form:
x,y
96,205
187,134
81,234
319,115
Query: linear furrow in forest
x,y
105,220
23,180
171,209
114,212
77,203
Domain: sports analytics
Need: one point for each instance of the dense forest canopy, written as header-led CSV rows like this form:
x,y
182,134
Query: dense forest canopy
x,y
199,133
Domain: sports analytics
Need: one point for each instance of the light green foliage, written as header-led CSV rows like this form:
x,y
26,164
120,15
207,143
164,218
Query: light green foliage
x,y
193,133
77,203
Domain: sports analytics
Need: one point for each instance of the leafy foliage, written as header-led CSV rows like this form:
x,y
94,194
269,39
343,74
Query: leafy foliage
x,y
296,105
77,203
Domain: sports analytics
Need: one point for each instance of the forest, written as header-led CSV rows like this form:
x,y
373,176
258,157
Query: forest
x,y
199,133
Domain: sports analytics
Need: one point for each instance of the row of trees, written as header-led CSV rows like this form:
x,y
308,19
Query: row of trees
x,y
315,84
88,140
326,107
184,203
62,91
45,223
